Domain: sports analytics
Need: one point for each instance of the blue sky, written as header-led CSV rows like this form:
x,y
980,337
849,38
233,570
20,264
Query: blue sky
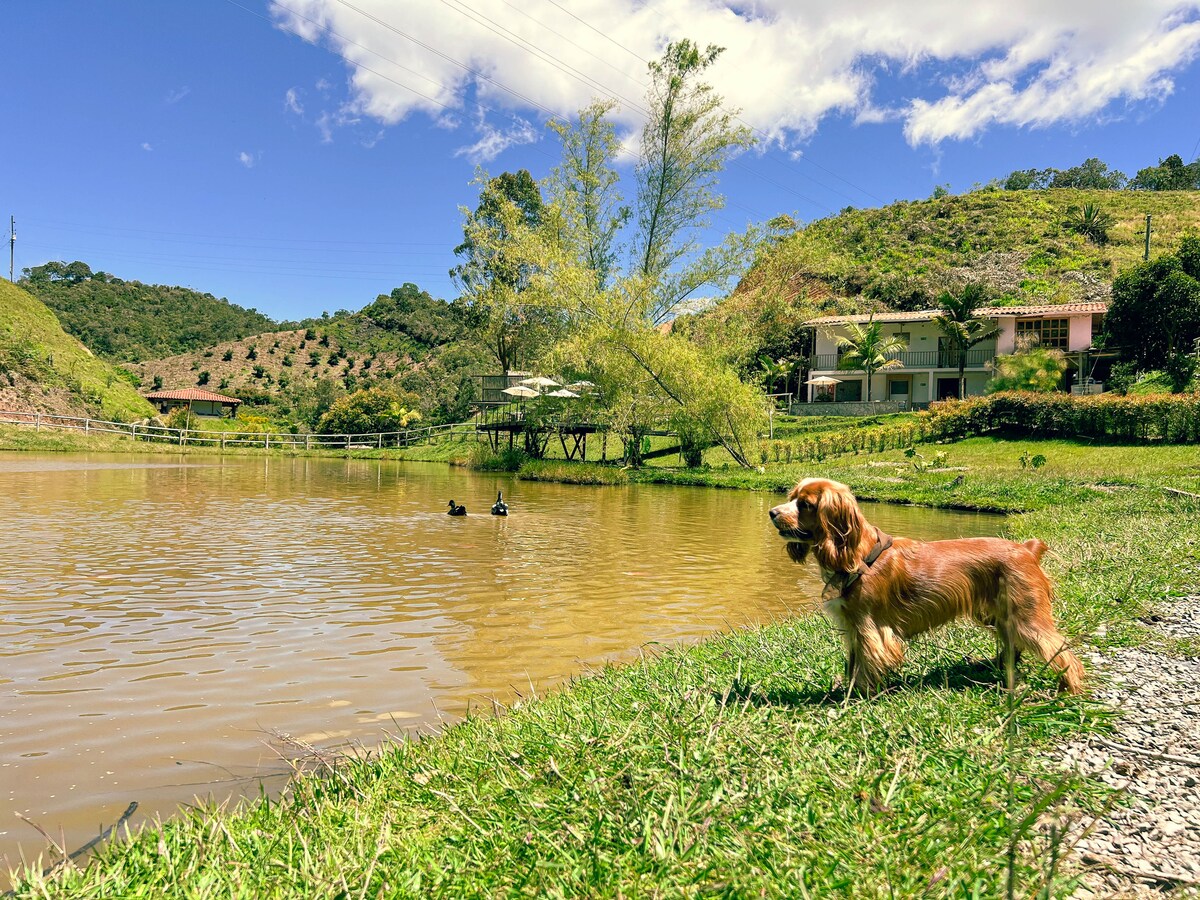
x,y
278,155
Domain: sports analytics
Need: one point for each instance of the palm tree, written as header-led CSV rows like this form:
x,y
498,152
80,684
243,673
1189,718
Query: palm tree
x,y
962,330
868,349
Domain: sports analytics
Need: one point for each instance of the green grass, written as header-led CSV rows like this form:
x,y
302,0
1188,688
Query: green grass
x,y
731,768
35,349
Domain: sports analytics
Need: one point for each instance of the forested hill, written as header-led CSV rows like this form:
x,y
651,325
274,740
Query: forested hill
x,y
1027,246
131,321
44,369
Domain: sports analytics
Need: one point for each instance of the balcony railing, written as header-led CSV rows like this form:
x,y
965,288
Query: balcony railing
x,y
977,358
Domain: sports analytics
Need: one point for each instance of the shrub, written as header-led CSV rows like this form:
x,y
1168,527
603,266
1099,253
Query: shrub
x,y
1035,369
202,378
227,355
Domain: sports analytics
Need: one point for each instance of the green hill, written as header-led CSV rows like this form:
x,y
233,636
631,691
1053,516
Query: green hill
x,y
1015,240
406,338
44,369
130,321
903,255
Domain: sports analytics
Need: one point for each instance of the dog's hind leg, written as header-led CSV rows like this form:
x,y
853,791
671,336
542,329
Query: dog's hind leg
x,y
1030,626
1046,642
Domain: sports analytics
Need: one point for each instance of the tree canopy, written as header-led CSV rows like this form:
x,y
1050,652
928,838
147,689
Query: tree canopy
x,y
1154,317
131,321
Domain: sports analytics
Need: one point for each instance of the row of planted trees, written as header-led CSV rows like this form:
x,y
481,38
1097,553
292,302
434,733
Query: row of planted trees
x,y
565,276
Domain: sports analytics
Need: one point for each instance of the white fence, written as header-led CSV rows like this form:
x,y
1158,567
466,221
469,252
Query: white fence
x,y
192,436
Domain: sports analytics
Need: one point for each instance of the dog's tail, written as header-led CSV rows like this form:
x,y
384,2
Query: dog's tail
x,y
1037,547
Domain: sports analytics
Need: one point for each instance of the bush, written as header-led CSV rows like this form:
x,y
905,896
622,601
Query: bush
x,y
368,411
1035,369
1169,418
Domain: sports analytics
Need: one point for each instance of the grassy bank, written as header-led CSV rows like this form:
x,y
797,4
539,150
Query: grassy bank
x,y
730,768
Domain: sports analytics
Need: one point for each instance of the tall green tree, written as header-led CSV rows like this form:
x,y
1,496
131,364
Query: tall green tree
x,y
868,349
961,328
585,187
686,142
497,268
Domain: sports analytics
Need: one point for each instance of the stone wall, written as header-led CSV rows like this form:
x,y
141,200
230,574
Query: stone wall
x,y
860,408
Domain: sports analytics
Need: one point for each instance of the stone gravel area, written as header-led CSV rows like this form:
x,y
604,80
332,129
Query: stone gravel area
x,y
1149,845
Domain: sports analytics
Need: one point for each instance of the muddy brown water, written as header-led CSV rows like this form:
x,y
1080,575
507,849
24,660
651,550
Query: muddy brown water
x,y
160,619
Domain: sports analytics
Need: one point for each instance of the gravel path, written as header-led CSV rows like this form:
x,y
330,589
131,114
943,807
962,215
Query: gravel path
x,y
1148,847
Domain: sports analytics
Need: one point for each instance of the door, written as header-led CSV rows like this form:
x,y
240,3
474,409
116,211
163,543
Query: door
x,y
947,388
900,387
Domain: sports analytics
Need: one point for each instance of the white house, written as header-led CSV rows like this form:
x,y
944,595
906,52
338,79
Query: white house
x,y
928,370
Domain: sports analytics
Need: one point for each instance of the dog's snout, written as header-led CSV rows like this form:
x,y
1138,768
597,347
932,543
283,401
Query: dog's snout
x,y
773,513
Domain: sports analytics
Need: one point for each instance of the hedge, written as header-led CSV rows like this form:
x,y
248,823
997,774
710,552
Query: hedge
x,y
1159,418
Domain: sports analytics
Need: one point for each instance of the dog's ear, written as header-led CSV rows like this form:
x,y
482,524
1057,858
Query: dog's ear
x,y
797,551
842,526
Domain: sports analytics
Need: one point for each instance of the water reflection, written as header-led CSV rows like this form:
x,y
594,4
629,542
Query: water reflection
x,y
159,619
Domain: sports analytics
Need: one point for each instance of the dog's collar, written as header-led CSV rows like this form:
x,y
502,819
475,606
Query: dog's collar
x,y
882,543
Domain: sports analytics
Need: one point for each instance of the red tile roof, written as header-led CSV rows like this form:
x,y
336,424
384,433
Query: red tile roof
x,y
987,312
192,394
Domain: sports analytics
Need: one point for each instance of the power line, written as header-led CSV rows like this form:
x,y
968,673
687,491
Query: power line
x,y
750,125
390,27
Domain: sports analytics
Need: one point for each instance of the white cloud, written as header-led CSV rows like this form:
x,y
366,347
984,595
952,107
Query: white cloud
x,y
146,145
176,95
247,159
291,102
788,63
494,141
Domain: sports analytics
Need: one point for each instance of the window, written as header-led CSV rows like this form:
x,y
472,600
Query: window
x,y
1047,332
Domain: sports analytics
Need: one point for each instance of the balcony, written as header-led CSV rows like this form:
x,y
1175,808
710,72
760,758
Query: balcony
x,y
977,358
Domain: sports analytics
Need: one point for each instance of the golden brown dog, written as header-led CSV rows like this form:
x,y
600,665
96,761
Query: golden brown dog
x,y
882,591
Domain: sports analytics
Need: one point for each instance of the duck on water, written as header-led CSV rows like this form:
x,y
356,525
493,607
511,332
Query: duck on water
x,y
500,508
456,509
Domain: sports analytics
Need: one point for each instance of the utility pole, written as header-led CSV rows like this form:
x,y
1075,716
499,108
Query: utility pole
x,y
1146,255
12,244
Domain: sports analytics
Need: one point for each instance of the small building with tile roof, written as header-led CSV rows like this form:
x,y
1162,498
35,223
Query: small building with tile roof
x,y
928,368
198,400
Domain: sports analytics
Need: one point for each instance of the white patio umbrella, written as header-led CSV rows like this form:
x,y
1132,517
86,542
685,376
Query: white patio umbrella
x,y
540,381
580,385
520,390
824,381
562,392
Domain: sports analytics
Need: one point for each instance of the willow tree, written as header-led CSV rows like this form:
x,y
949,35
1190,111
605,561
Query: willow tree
x,y
685,144
585,189
686,141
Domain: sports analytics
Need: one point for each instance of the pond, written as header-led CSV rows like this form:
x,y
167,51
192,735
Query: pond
x,y
165,618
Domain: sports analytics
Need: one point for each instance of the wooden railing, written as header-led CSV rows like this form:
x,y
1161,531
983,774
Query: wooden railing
x,y
189,436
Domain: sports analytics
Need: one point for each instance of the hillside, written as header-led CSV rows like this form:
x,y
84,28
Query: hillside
x,y
1014,240
901,256
406,337
44,369
130,321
